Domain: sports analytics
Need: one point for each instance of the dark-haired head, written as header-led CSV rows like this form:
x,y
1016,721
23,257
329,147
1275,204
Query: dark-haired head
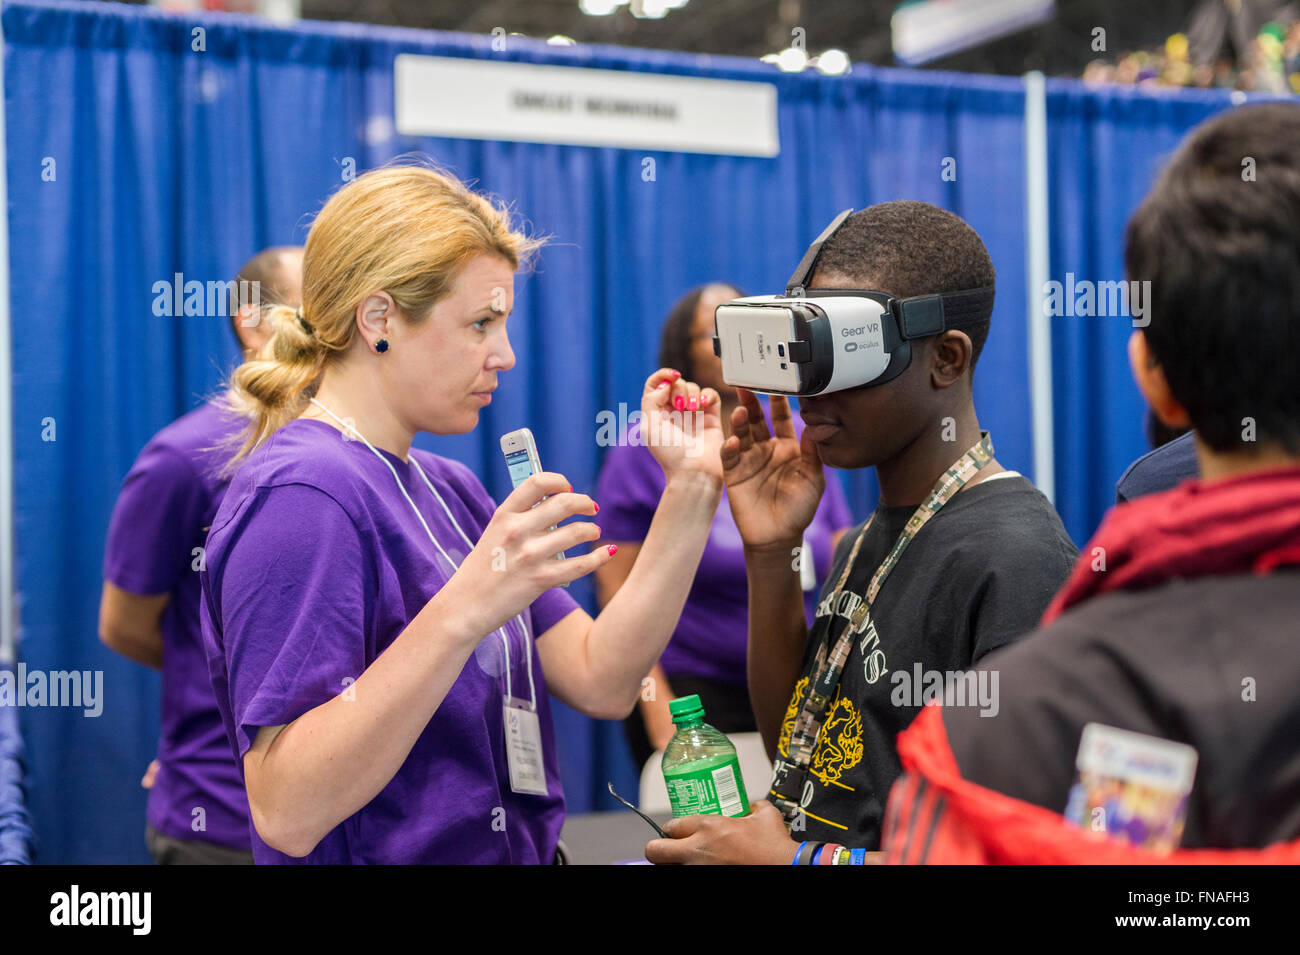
x,y
1218,238
911,248
903,248
686,342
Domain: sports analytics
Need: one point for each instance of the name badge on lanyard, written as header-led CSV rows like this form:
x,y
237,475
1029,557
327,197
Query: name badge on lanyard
x,y
523,728
524,747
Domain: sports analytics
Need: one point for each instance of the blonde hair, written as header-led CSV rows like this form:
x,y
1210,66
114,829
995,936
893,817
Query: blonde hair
x,y
405,229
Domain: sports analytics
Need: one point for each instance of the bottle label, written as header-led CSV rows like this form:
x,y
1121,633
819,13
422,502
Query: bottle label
x,y
707,790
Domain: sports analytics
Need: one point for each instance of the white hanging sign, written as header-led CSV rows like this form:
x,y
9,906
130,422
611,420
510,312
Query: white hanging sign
x,y
461,98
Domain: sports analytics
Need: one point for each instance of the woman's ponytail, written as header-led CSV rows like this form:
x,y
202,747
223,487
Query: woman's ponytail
x,y
271,389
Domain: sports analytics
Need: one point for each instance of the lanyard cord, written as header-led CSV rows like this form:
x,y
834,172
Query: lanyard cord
x,y
528,657
825,677
505,641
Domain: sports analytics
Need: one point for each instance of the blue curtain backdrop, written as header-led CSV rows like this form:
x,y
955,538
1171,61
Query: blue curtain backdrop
x,y
132,156
1105,149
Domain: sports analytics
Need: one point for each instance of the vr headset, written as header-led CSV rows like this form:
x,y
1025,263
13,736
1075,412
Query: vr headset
x,y
832,339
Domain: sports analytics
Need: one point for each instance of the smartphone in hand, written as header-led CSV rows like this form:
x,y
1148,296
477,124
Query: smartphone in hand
x,y
523,461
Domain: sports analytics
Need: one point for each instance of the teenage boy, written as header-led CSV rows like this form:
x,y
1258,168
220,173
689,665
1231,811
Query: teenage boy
x,y
149,611
983,553
1179,621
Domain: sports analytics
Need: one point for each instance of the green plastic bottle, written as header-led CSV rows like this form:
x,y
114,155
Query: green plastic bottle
x,y
700,766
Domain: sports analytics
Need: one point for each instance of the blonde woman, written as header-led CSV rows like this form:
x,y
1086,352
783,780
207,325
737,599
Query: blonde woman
x,y
382,636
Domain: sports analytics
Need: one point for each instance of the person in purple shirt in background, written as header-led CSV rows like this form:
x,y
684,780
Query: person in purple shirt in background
x,y
706,655
382,636
149,610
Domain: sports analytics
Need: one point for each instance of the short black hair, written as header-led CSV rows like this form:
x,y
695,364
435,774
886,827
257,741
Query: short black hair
x,y
675,340
911,248
1218,238
267,268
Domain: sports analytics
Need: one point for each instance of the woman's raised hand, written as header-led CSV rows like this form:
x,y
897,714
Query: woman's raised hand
x,y
681,424
514,561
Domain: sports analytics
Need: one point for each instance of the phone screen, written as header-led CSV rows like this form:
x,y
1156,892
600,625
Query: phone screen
x,y
522,464
520,467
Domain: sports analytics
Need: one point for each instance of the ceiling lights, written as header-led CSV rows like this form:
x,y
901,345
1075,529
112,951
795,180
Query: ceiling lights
x,y
794,59
641,9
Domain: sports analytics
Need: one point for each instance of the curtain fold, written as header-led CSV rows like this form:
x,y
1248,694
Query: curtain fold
x,y
17,840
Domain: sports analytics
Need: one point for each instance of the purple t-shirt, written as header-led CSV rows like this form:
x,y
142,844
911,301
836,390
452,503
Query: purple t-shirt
x,y
315,564
161,518
711,638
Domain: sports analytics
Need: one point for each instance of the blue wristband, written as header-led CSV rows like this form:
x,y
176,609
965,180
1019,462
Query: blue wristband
x,y
795,860
857,857
805,852
817,853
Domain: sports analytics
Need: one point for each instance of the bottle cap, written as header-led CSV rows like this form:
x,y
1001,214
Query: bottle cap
x,y
686,708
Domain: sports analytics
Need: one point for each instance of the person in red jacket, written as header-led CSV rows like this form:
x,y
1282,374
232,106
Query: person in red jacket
x,y
1179,622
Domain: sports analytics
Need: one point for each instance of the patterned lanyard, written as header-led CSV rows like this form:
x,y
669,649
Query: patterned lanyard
x,y
791,773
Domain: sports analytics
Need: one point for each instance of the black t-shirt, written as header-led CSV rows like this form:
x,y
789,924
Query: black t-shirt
x,y
1210,662
977,576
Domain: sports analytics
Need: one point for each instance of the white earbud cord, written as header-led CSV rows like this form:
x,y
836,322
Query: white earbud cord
x,y
505,641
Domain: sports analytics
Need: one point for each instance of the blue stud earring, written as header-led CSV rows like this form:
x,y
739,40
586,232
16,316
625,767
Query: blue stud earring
x,y
381,346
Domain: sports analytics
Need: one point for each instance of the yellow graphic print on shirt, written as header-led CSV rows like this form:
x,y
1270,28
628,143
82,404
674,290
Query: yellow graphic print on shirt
x,y
791,713
839,744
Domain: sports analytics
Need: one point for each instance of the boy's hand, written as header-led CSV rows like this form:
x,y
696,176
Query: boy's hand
x,y
758,838
774,481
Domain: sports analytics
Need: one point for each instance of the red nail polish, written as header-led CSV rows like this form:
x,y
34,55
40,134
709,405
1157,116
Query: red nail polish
x,y
676,374
613,549
695,405
661,385
596,506
679,402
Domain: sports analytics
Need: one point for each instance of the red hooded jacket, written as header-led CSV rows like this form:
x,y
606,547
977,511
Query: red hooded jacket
x,y
1240,528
